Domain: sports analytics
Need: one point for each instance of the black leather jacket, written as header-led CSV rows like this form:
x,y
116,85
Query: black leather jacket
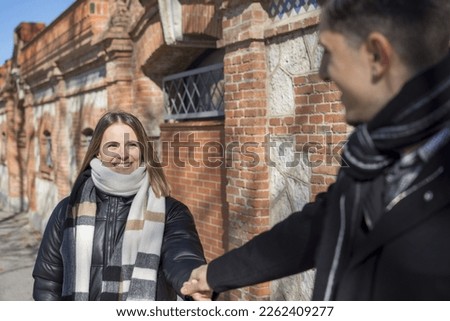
x,y
181,248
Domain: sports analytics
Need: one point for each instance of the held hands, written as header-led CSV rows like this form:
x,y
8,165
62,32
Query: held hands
x,y
197,286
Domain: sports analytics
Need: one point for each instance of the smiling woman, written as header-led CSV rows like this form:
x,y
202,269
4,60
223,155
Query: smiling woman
x,y
120,149
119,235
115,136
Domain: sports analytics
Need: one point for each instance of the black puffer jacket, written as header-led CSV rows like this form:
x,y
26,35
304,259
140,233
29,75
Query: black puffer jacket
x,y
181,248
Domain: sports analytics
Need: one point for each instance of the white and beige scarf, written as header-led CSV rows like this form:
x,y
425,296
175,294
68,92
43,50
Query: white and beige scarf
x,y
132,273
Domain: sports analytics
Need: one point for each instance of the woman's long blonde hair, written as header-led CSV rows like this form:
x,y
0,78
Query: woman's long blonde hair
x,y
156,175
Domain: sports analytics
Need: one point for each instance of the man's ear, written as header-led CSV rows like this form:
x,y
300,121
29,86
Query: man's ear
x,y
380,51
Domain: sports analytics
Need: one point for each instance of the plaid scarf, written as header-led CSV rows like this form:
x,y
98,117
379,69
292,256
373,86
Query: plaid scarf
x,y
420,110
132,272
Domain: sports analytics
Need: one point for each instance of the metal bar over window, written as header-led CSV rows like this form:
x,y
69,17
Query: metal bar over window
x,y
197,93
282,9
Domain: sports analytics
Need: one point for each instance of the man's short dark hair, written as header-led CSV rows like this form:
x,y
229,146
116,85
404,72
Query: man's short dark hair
x,y
419,30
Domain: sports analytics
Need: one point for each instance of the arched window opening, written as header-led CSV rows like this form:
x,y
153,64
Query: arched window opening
x,y
48,149
3,149
86,137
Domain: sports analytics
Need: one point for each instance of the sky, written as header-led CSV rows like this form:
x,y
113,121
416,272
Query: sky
x,y
13,12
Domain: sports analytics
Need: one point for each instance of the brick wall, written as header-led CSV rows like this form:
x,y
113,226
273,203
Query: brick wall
x,y
272,91
198,19
192,155
3,75
75,24
319,128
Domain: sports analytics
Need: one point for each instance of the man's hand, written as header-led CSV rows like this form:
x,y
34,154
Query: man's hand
x,y
197,286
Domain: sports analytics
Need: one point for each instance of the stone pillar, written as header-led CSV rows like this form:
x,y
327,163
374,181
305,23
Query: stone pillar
x,y
119,63
245,129
13,159
31,160
61,154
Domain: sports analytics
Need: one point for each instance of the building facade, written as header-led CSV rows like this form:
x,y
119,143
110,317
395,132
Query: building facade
x,y
229,93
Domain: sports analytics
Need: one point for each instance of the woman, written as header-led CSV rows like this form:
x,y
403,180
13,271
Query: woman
x,y
119,235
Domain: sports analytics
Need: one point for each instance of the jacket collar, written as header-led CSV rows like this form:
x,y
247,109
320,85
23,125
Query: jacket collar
x,y
423,199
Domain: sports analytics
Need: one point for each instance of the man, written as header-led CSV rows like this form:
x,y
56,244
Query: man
x,y
382,231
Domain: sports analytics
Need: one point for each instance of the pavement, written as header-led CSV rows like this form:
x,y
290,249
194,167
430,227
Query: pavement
x,y
19,243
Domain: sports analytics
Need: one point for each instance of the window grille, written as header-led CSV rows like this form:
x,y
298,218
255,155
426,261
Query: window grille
x,y
197,93
282,9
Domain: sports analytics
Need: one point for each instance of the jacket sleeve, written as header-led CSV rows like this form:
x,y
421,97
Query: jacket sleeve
x,y
48,269
181,249
288,248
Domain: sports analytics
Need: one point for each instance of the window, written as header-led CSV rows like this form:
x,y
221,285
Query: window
x,y
197,93
282,9
92,8
86,137
48,149
3,148
46,160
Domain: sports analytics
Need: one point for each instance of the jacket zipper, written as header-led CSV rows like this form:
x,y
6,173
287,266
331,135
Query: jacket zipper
x,y
340,240
337,251
414,188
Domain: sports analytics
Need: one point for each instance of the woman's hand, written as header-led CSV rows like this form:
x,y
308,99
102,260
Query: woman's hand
x,y
197,287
